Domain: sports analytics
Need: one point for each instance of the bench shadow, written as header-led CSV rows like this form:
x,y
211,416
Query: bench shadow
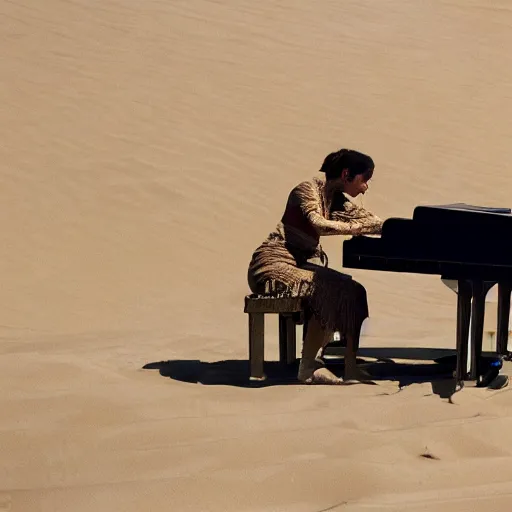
x,y
235,372
231,372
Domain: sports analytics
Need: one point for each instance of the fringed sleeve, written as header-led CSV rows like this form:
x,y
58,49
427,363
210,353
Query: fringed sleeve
x,y
310,200
344,210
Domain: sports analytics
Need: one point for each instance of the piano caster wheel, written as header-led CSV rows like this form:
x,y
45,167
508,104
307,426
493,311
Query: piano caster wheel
x,y
491,369
488,378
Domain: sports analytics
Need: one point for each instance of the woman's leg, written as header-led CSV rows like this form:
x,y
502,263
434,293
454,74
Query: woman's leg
x,y
353,333
343,303
312,370
352,372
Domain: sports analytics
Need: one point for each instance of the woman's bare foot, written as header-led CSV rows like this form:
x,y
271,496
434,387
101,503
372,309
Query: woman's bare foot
x,y
321,376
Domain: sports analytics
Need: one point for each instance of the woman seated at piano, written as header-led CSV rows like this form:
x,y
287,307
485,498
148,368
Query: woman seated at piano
x,y
291,262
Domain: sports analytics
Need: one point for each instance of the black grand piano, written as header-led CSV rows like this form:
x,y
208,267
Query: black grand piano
x,y
468,244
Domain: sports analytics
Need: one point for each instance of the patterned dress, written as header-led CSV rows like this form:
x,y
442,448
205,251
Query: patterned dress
x,y
291,261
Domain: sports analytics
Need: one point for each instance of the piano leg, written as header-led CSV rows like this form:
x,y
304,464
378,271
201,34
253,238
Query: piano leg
x,y
477,327
463,318
504,289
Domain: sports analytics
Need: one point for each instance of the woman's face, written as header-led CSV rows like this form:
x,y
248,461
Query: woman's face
x,y
359,185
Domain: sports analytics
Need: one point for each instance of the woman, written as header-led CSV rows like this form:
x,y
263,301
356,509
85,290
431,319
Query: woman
x,y
285,262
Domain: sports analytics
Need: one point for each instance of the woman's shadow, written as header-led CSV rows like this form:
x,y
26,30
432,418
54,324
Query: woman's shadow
x,y
235,372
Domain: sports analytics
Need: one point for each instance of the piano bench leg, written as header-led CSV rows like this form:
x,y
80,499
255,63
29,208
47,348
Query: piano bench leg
x,y
256,345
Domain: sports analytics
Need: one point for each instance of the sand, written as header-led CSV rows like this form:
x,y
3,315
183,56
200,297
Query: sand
x,y
146,149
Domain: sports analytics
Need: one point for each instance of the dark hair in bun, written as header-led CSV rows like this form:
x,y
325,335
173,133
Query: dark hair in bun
x,y
354,161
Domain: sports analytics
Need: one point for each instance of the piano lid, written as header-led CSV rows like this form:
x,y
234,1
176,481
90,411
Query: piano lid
x,y
464,216
466,207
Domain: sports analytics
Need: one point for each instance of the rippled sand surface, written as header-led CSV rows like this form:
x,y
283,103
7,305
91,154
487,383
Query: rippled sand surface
x,y
146,149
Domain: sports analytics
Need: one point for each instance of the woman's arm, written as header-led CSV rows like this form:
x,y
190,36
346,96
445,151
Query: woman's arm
x,y
370,223
311,205
344,210
326,227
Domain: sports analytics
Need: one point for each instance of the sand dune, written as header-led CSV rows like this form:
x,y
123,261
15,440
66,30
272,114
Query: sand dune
x,y
147,149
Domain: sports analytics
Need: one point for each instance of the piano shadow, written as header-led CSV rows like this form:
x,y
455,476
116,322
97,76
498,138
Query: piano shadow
x,y
235,372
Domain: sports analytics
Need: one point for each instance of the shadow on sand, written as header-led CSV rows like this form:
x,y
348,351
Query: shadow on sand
x,y
435,367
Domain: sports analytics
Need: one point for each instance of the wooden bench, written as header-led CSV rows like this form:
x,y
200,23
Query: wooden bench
x,y
291,313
